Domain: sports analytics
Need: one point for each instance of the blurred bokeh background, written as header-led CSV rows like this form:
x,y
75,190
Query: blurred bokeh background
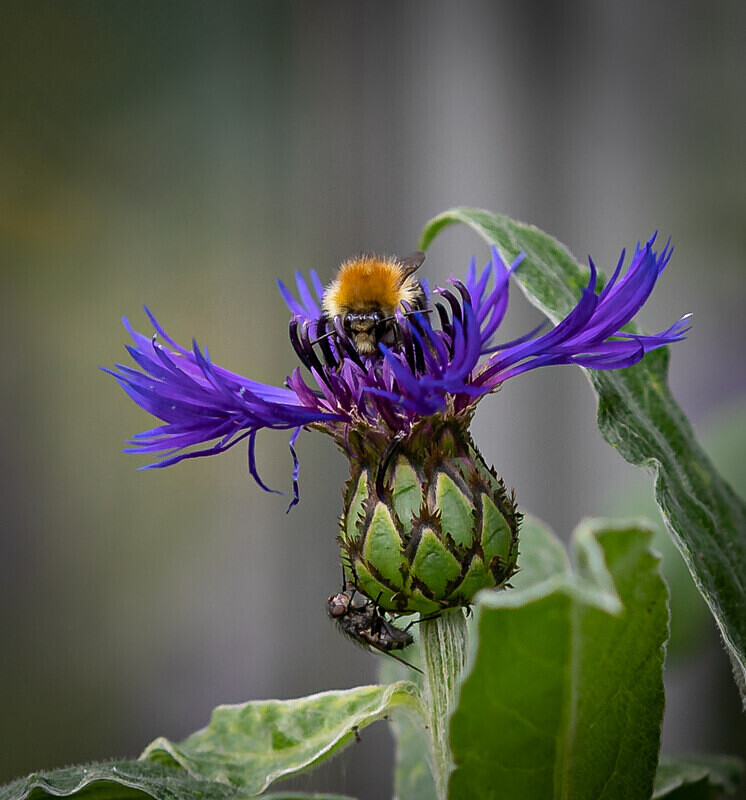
x,y
187,154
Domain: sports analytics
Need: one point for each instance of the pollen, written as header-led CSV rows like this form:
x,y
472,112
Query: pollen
x,y
368,283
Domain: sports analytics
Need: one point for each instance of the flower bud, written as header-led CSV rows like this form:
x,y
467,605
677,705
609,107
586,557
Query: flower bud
x,y
426,522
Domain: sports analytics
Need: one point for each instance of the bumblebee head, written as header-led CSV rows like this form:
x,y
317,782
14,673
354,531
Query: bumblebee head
x,y
366,294
366,329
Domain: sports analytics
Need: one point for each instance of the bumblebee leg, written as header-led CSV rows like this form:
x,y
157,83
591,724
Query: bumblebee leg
x,y
323,337
383,467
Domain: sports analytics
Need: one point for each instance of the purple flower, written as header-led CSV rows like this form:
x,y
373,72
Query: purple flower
x,y
444,362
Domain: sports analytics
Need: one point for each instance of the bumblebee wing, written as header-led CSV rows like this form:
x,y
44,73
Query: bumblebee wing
x,y
412,262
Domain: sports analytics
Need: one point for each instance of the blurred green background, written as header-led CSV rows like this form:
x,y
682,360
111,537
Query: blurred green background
x,y
187,154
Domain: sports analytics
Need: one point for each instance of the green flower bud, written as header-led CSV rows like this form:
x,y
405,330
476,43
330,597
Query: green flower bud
x,y
426,522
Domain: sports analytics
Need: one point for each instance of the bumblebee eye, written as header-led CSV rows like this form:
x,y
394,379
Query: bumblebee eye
x,y
348,320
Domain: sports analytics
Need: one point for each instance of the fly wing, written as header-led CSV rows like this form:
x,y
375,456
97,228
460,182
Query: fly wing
x,y
355,626
364,629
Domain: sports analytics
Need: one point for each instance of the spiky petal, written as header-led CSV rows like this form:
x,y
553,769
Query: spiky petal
x,y
445,363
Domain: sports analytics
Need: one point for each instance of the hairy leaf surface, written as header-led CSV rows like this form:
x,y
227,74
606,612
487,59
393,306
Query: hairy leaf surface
x,y
639,417
252,745
116,780
563,694
695,777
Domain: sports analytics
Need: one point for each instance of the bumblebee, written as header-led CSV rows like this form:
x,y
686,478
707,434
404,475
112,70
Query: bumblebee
x,y
361,620
366,294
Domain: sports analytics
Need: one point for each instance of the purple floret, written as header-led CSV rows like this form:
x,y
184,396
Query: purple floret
x,y
444,363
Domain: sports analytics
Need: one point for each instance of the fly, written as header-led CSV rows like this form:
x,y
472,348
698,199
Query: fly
x,y
362,621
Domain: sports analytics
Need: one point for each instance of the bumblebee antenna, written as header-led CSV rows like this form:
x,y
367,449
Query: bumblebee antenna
x,y
323,336
390,318
410,313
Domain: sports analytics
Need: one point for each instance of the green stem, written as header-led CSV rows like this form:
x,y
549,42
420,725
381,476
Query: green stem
x,y
443,647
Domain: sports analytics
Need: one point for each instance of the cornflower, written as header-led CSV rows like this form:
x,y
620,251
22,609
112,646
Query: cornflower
x,y
426,522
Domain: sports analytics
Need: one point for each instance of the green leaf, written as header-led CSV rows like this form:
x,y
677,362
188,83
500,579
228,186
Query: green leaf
x,y
563,689
413,777
541,554
255,744
694,777
639,417
116,780
723,437
133,780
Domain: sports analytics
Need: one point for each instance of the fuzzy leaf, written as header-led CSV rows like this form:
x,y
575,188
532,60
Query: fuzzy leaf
x,y
695,777
639,417
252,745
723,437
413,777
563,694
541,554
116,780
133,780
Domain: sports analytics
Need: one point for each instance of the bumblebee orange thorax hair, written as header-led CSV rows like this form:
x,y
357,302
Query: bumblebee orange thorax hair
x,y
367,283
